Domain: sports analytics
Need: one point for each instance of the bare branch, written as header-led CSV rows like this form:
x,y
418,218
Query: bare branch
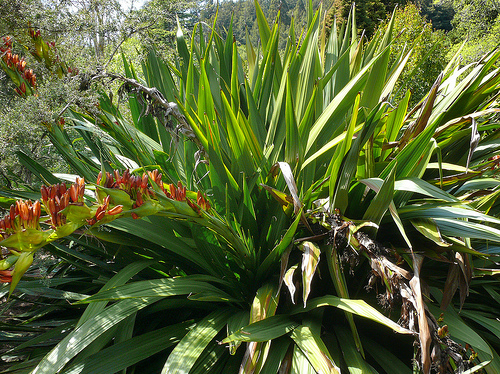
x,y
125,38
156,100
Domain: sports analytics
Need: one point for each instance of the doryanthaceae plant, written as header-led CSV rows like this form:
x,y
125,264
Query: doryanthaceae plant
x,y
262,199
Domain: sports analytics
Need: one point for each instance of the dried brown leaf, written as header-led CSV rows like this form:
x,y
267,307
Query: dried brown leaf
x,y
424,333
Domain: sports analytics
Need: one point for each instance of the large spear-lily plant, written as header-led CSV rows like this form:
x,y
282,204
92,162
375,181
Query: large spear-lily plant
x,y
280,214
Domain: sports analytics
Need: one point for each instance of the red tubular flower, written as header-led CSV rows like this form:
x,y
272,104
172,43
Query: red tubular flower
x,y
73,193
12,212
81,187
117,176
45,193
37,209
144,181
202,201
193,206
172,191
100,214
5,276
21,65
116,210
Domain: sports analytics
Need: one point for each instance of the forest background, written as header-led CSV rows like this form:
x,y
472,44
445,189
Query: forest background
x,y
89,36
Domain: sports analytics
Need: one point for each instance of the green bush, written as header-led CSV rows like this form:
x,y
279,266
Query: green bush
x,y
257,209
429,51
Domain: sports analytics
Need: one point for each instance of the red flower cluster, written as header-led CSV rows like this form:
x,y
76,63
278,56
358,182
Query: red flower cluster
x,y
136,187
7,44
57,197
126,182
22,215
15,63
139,188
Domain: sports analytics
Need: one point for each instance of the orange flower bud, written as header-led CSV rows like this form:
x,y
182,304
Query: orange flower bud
x,y
73,193
65,201
81,187
133,181
37,209
153,174
100,214
52,192
193,206
30,217
21,65
23,87
139,201
105,203
135,216
44,192
20,209
117,176
109,179
12,212
52,206
25,215
116,210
